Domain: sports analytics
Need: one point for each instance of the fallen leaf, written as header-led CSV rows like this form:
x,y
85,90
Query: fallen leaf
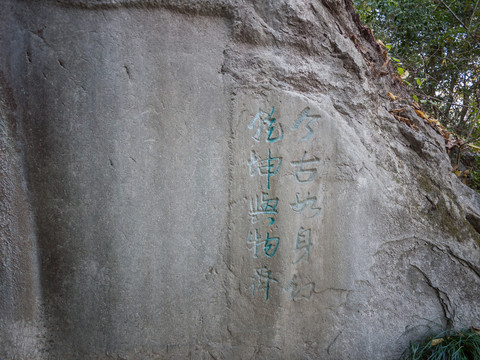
x,y
420,113
405,75
458,173
436,341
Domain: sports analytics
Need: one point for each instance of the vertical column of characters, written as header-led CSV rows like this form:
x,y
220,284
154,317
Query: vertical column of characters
x,y
305,205
263,208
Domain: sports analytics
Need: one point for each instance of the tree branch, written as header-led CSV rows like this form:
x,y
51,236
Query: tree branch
x,y
473,13
446,101
461,22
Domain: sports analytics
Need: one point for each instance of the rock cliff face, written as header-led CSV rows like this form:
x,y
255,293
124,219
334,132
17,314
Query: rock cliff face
x,y
219,180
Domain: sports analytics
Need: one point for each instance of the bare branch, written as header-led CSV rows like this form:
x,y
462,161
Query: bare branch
x,y
446,101
461,22
473,13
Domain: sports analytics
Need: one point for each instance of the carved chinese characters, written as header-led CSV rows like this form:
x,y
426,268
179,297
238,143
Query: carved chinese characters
x,y
265,242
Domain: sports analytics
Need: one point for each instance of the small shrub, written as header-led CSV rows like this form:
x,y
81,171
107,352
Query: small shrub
x,y
449,345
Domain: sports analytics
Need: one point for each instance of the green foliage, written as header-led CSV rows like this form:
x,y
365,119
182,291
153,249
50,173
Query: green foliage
x,y
438,42
450,345
475,179
470,171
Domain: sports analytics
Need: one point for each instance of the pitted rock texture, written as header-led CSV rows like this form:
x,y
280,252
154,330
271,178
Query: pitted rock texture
x,y
219,180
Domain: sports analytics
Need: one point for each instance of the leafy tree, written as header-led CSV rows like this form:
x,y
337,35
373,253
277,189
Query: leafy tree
x,y
438,43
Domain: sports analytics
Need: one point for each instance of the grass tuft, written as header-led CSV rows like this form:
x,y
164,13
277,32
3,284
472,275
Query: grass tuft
x,y
449,345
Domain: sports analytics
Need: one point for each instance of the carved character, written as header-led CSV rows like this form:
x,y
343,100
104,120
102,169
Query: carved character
x,y
305,175
303,243
270,244
264,118
300,205
263,206
300,291
268,167
261,281
310,118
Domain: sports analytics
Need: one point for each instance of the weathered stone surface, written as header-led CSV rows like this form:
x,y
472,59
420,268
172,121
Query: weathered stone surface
x,y
218,180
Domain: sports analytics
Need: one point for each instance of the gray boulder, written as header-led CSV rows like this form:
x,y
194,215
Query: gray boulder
x,y
219,180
